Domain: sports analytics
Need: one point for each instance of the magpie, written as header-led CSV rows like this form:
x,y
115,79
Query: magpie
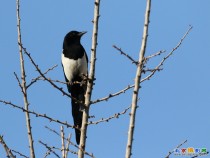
x,y
75,64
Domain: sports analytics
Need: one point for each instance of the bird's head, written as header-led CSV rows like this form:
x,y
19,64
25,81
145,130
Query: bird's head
x,y
73,37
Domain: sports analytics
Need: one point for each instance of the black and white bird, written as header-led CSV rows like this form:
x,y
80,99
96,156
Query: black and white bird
x,y
75,66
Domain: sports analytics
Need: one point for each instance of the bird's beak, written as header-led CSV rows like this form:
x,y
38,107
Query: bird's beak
x,y
82,33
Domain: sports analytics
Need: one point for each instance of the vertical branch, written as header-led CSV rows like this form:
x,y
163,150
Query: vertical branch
x,y
62,143
23,84
91,77
137,82
67,145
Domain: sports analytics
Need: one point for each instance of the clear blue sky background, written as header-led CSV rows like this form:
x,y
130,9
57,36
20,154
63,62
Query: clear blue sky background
x,y
174,104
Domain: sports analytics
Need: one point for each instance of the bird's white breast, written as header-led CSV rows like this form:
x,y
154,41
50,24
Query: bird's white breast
x,y
74,67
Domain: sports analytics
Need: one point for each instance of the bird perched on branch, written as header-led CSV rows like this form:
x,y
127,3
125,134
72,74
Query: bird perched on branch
x,y
75,63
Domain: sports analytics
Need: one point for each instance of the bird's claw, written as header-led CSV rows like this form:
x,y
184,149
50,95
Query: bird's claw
x,y
70,83
82,108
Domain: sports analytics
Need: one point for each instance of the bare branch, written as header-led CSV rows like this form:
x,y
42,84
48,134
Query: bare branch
x,y
177,46
62,82
68,141
37,114
55,132
58,81
24,89
154,55
42,74
67,145
137,81
112,95
128,87
111,117
91,78
20,154
63,142
172,151
52,148
16,76
157,68
49,148
47,153
6,148
151,70
45,78
126,55
200,155
39,77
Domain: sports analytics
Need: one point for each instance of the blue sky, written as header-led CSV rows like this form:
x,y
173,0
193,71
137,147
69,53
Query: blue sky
x,y
174,104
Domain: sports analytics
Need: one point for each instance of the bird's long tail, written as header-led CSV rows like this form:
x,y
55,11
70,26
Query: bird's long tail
x,y
77,92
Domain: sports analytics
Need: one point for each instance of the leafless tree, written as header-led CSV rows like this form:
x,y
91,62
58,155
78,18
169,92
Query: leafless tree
x,y
66,141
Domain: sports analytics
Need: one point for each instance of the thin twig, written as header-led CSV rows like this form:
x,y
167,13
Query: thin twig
x,y
112,95
172,151
68,141
18,80
62,82
20,154
137,82
177,46
24,89
154,55
49,148
67,145
58,81
47,153
52,148
58,134
200,155
6,148
39,77
126,55
111,117
37,114
151,70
